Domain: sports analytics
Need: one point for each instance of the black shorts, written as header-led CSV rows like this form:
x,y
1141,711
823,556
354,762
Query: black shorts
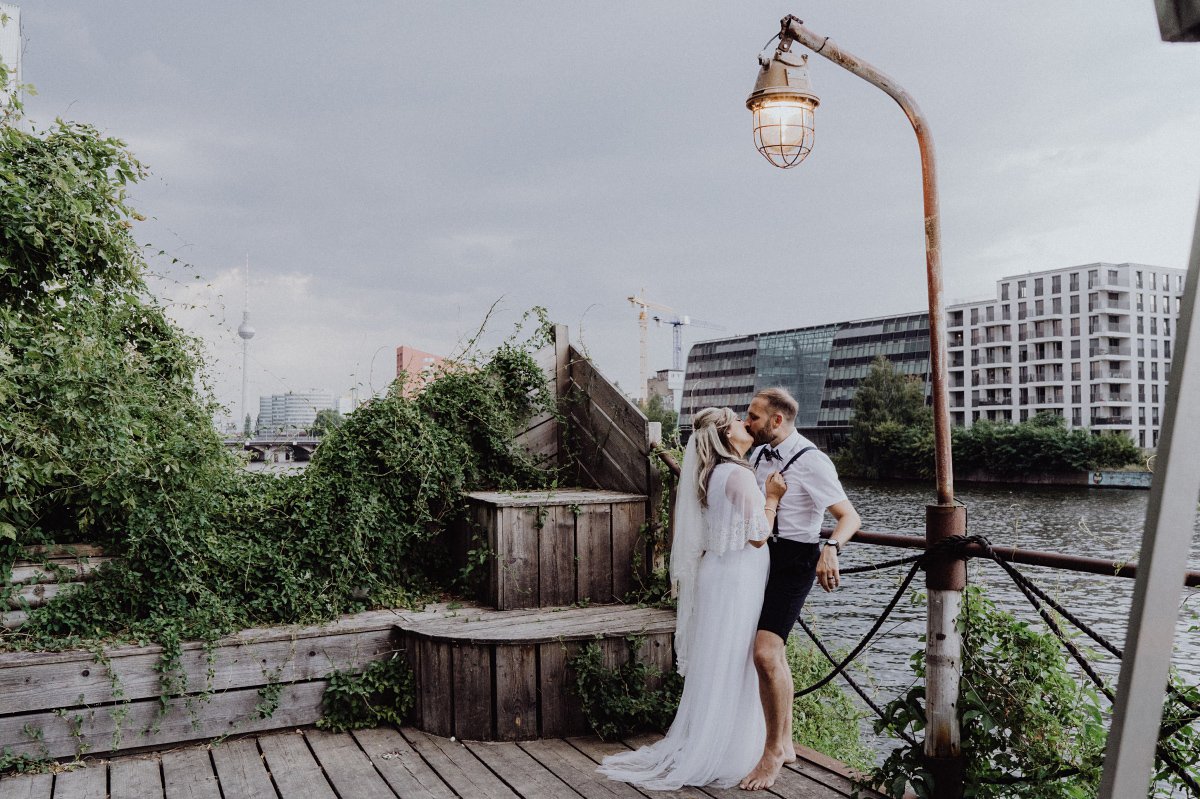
x,y
793,571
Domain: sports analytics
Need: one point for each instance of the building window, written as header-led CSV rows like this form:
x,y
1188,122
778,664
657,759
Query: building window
x,y
1075,326
1076,394
1077,416
1141,370
974,316
1023,396
1153,348
1154,421
1140,325
1141,348
1167,370
1142,393
1074,303
990,313
1155,439
1037,287
1039,308
1004,291
1093,278
1166,304
1153,282
1166,327
1005,313
1137,303
1137,280
1024,415
1076,369
1153,303
974,416
1114,277
1056,305
1154,376
1142,439
1056,284
1153,326
1075,348
1020,289
1021,310
1074,281
1142,416
1166,349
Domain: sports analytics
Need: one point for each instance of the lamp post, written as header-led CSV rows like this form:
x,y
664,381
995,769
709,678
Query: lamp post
x,y
784,106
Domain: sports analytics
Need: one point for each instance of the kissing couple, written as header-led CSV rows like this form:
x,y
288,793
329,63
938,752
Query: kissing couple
x,y
739,600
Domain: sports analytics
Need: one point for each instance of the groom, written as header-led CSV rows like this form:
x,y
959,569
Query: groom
x,y
798,557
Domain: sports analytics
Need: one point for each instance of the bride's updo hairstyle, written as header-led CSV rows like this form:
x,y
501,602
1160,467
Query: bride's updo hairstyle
x,y
710,431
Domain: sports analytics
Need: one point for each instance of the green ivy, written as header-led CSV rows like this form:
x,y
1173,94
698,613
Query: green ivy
x,y
826,720
621,701
382,693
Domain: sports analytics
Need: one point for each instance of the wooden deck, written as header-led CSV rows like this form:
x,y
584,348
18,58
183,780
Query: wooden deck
x,y
386,763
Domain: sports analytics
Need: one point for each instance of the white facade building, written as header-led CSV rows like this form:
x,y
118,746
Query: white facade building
x,y
1092,343
11,46
292,411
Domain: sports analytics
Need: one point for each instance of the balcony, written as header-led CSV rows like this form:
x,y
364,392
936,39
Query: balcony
x,y
1109,352
956,380
986,403
1109,327
1122,282
1111,374
1111,421
1116,305
1114,397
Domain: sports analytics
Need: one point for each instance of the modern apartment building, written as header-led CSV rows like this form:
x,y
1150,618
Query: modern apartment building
x,y
1091,343
292,411
820,365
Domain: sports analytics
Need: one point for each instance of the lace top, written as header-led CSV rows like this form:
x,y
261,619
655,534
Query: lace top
x,y
735,512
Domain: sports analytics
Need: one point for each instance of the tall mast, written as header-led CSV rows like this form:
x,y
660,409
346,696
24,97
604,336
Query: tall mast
x,y
246,332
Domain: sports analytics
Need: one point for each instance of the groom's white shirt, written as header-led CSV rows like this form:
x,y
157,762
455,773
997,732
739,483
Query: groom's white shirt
x,y
812,486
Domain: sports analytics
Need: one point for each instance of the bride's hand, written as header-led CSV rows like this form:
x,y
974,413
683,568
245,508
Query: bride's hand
x,y
776,487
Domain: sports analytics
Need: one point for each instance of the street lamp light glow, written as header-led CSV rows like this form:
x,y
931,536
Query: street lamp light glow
x,y
783,102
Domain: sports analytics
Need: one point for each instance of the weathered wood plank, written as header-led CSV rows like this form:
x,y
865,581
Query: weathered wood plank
x,y
558,496
629,548
461,770
241,770
188,774
62,550
223,713
547,625
602,469
561,708
347,767
517,558
38,680
516,692
37,595
562,381
578,770
522,773
540,439
658,650
296,772
597,750
556,557
409,775
77,570
27,786
473,702
138,777
593,548
90,782
435,686
822,776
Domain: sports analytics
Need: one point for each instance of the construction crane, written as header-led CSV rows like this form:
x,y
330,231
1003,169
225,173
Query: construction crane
x,y
676,321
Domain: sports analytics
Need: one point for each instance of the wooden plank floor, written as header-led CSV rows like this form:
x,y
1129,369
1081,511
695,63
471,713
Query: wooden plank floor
x,y
385,763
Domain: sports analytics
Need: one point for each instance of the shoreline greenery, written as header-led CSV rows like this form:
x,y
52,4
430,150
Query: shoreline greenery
x,y
891,436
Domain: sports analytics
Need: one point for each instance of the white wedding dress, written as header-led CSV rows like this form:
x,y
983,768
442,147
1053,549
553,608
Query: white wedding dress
x,y
718,733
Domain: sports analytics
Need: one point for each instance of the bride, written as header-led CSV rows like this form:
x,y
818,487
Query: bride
x,y
718,733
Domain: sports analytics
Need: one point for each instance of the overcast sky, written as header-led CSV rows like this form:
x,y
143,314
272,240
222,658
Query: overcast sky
x,y
393,169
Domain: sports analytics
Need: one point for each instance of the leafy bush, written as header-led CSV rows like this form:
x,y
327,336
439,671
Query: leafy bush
x,y
108,438
382,693
826,719
620,701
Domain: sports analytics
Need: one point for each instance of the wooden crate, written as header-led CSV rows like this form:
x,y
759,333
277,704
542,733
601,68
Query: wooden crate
x,y
487,675
551,548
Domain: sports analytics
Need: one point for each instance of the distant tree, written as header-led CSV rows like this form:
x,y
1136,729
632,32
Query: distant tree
x,y
889,424
657,410
327,419
246,428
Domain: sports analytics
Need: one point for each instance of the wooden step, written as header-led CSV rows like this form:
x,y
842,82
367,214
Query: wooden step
x,y
494,675
552,548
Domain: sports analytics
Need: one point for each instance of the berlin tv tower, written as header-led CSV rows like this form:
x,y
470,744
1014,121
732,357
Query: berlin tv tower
x,y
246,332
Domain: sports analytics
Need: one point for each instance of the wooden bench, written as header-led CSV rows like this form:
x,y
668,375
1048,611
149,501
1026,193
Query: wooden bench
x,y
489,675
553,548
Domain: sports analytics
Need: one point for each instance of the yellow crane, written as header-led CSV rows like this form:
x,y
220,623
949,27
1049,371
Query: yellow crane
x,y
641,303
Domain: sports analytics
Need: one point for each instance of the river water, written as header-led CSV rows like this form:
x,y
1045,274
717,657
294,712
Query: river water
x,y
1098,522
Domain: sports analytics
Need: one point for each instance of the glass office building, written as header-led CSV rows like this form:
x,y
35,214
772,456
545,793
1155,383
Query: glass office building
x,y
820,365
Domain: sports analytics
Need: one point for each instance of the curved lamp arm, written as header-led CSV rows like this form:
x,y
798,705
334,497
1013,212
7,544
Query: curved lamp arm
x,y
794,29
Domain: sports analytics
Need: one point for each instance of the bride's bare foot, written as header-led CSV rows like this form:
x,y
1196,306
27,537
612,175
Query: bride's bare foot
x,y
765,773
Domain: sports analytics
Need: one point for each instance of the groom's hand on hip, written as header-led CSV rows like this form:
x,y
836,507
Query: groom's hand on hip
x,y
828,576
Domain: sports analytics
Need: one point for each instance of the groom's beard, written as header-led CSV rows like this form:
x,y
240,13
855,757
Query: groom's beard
x,y
763,436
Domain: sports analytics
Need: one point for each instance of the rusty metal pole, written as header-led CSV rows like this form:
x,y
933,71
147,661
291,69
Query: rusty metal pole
x,y
944,580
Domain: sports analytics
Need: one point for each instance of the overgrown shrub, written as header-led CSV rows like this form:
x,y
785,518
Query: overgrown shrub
x,y
621,701
826,720
382,693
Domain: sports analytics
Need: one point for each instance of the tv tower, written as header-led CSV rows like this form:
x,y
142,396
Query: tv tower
x,y
245,332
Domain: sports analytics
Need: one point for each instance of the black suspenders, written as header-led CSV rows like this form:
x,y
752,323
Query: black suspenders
x,y
793,459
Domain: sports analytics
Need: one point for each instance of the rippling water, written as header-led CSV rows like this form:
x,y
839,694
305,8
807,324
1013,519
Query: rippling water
x,y
1098,522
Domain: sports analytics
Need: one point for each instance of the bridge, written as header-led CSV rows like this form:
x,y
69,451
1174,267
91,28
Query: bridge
x,y
297,447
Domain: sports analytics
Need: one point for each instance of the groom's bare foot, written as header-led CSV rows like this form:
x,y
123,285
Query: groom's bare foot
x,y
765,773
789,753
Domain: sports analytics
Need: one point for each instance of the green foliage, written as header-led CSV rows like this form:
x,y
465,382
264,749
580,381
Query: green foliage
x,y
107,438
327,419
658,409
891,435
382,693
826,719
1029,728
626,699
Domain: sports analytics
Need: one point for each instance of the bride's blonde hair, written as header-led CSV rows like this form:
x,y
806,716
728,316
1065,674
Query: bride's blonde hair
x,y
710,431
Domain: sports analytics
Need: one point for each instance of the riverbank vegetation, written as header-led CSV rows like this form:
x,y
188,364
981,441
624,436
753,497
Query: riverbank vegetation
x,y
891,436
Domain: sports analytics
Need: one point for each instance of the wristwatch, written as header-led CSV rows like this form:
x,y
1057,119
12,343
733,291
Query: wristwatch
x,y
829,542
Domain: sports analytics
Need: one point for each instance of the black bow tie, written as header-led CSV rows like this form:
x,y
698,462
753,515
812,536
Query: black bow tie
x,y
770,454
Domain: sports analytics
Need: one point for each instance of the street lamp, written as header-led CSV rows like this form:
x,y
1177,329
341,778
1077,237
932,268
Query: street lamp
x,y
783,104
